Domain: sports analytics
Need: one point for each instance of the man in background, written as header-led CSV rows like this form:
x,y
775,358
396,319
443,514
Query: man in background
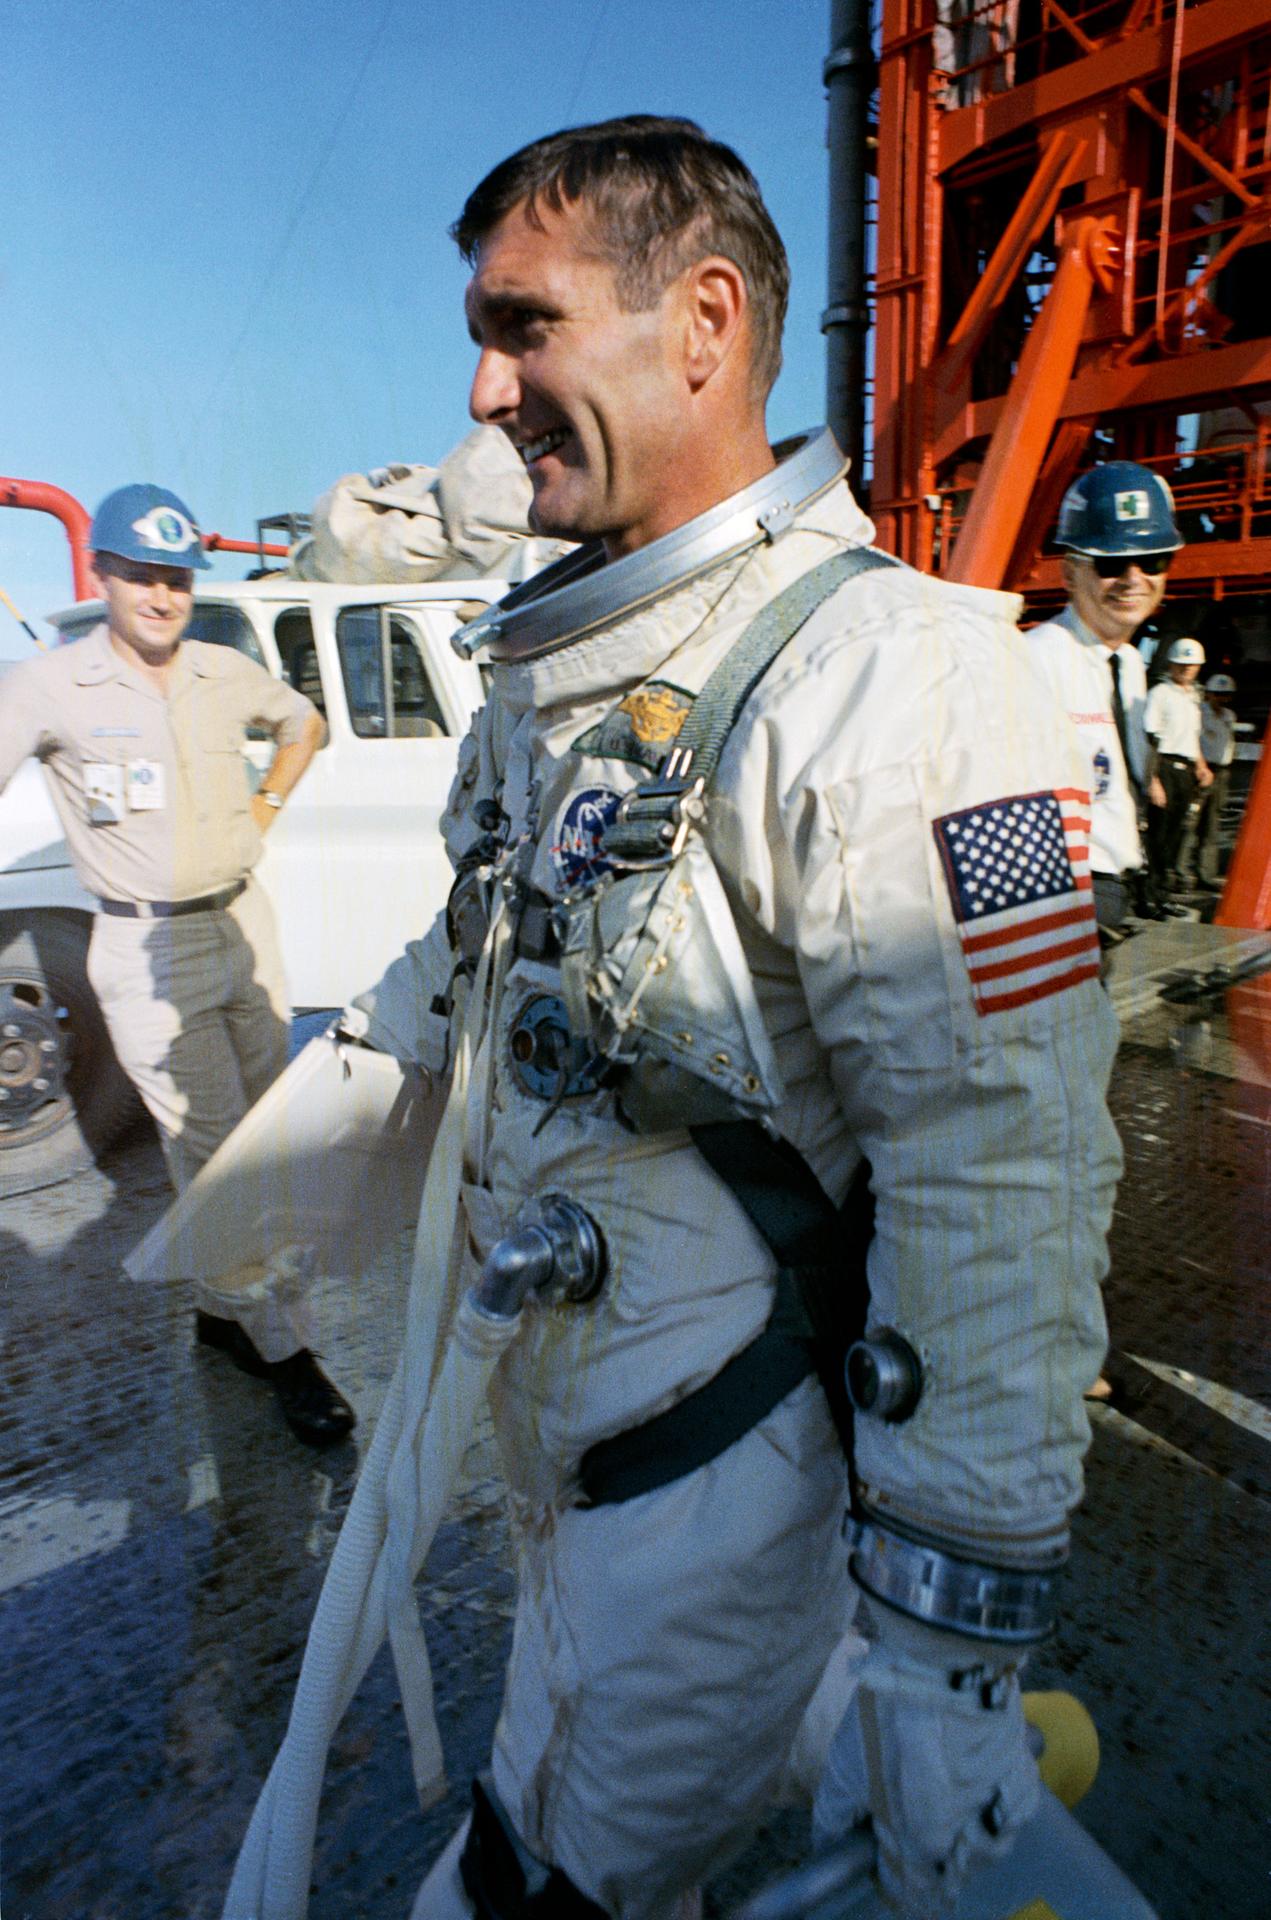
x,y
1117,524
140,733
1176,767
1200,852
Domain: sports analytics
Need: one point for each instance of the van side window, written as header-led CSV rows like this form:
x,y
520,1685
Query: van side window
x,y
224,627
293,635
385,679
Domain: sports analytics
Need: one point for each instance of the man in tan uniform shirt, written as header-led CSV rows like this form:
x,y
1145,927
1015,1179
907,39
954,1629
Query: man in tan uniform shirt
x,y
141,737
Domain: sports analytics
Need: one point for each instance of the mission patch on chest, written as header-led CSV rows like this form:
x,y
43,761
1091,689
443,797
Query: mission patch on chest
x,y
642,728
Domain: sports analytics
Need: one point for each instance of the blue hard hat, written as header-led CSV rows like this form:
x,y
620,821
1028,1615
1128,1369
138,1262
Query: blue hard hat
x,y
150,524
1118,508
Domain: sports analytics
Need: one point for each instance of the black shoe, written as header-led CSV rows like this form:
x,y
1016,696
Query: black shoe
x,y
211,1331
315,1410
1149,912
1175,910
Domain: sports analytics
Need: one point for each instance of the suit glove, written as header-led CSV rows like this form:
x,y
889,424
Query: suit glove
x,y
933,1753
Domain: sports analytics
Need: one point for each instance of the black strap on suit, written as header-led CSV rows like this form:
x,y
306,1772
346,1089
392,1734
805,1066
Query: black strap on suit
x,y
1118,714
822,1293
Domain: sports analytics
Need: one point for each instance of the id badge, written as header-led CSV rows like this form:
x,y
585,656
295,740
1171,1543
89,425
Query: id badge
x,y
145,786
104,792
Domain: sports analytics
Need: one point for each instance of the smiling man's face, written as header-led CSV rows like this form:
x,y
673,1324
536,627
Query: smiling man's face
x,y
590,395
147,607
1114,608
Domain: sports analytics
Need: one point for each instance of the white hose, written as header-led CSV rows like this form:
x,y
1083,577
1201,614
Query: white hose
x,y
400,1499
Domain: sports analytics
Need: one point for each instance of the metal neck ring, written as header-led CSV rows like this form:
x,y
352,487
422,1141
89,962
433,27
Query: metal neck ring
x,y
582,591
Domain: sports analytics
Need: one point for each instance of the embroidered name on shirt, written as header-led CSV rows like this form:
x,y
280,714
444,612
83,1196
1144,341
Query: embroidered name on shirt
x,y
1018,873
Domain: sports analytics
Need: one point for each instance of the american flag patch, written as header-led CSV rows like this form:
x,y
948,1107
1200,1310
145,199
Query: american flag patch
x,y
1019,877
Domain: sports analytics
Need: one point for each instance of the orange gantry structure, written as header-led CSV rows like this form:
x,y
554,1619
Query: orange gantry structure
x,y
1073,262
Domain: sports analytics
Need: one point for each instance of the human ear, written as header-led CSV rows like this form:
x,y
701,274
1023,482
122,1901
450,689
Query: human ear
x,y
716,305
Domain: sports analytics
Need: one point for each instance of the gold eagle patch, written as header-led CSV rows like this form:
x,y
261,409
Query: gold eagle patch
x,y
642,727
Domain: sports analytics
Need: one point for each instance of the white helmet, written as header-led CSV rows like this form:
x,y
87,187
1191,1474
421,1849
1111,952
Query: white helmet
x,y
1186,653
1220,683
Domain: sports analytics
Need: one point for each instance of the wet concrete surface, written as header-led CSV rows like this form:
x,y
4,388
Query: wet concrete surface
x,y
163,1538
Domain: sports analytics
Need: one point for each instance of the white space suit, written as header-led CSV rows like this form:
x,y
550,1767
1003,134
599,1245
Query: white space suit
x,y
900,823
972,1079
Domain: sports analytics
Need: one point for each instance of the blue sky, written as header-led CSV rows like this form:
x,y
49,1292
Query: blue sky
x,y
224,262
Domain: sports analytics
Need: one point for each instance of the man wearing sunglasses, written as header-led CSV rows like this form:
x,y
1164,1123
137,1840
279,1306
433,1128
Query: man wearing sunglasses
x,y
1117,524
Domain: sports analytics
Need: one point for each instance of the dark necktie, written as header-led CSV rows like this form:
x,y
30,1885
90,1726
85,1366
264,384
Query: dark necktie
x,y
1118,712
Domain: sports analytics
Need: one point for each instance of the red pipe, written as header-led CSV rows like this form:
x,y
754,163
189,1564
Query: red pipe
x,y
217,543
42,498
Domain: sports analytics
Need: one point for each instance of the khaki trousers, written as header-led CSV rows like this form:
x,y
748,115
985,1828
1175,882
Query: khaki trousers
x,y
198,1012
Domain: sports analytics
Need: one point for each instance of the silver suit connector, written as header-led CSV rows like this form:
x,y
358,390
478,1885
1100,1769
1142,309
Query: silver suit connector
x,y
884,1377
555,1250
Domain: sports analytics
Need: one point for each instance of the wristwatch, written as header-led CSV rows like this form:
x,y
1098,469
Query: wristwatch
x,y
270,798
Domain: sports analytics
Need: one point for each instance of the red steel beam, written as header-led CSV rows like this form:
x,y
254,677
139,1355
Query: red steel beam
x,y
905,290
1213,27
1059,161
1210,375
1168,125
1246,899
1058,470
1185,297
1018,447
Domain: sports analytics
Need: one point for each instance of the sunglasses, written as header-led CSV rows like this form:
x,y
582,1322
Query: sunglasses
x,y
1110,566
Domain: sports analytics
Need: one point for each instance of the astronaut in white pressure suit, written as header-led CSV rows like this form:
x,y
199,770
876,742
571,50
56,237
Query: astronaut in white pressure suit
x,y
900,829
869,935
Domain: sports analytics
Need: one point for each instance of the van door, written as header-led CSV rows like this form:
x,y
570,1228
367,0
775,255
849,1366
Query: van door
x,y
355,864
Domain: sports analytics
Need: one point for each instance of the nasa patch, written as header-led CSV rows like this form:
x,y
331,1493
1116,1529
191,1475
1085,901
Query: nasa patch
x,y
1102,772
166,531
642,728
578,854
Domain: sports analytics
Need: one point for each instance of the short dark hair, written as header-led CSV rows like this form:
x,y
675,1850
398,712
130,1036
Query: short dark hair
x,y
662,195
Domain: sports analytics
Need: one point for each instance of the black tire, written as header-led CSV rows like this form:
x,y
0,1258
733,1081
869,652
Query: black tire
x,y
63,1095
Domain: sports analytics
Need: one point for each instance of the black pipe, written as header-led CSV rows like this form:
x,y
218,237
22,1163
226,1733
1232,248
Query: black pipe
x,y
849,79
